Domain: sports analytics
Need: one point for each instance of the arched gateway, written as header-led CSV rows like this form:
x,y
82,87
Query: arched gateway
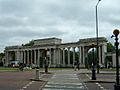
x,y
54,50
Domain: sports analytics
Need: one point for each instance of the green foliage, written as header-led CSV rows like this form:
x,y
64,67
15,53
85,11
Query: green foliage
x,y
8,69
31,43
88,60
91,55
110,47
2,55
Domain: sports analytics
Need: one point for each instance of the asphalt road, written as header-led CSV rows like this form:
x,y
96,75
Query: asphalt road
x,y
21,80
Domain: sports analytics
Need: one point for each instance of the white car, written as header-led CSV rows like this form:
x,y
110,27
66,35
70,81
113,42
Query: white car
x,y
14,63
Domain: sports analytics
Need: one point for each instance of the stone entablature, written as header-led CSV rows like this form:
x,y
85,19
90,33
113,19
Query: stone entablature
x,y
47,41
92,40
12,48
52,42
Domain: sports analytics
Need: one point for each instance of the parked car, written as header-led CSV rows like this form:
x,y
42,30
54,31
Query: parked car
x,y
101,66
14,63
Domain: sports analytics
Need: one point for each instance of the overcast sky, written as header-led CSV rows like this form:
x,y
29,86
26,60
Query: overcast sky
x,y
70,20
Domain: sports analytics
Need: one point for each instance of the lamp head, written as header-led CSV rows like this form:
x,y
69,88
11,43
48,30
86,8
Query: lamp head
x,y
116,32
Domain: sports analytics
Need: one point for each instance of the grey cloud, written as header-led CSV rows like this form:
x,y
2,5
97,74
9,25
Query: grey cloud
x,y
22,20
13,21
29,31
16,6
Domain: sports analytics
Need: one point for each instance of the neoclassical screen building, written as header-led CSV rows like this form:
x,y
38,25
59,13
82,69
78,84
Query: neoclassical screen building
x,y
55,50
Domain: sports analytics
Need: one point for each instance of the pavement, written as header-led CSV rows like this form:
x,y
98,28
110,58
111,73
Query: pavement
x,y
69,79
103,76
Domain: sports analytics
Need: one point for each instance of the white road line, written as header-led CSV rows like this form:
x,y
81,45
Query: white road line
x,y
27,85
24,87
101,86
97,83
88,76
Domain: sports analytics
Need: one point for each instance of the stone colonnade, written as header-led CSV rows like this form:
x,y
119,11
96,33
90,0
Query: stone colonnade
x,y
55,51
36,56
56,56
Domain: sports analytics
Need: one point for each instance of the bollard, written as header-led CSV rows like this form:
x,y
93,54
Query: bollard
x,y
37,74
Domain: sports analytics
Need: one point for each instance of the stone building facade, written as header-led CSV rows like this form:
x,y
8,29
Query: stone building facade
x,y
54,50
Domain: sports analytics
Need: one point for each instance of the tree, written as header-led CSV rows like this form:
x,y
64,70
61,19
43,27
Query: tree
x,y
89,59
31,43
2,55
110,47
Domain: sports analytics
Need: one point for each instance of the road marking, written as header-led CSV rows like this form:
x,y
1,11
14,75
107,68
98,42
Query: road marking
x,y
24,87
27,85
101,86
51,85
88,76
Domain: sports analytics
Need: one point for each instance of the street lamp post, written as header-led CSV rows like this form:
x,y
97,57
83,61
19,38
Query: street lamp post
x,y
93,64
117,85
97,36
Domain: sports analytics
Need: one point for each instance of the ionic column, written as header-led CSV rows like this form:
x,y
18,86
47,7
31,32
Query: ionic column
x,y
103,53
31,61
6,58
21,56
73,55
83,55
28,62
38,58
50,56
54,60
68,56
80,54
113,60
17,54
63,56
100,55
59,56
24,58
35,57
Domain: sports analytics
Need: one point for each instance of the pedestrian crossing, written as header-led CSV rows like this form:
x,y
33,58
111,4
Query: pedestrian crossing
x,y
64,82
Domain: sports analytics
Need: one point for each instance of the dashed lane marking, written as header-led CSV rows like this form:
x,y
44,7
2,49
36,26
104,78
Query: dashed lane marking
x,y
88,76
101,86
97,83
27,85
